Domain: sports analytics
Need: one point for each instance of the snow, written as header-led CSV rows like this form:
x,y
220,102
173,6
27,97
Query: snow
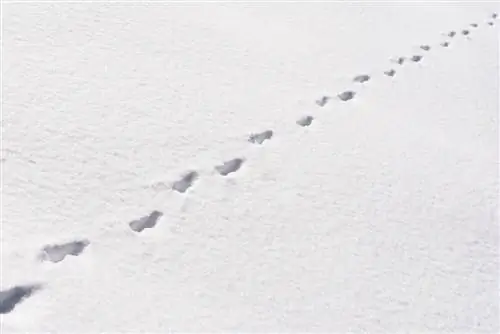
x,y
380,215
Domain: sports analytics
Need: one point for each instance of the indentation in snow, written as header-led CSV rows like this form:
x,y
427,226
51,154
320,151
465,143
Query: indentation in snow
x,y
324,100
399,60
346,96
57,253
185,182
148,221
305,121
229,167
259,138
390,73
11,297
361,78
416,58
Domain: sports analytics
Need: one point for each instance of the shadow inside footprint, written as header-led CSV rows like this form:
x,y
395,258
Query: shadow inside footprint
x,y
416,58
185,182
494,15
259,138
11,297
445,44
491,23
57,253
452,33
361,78
399,60
346,96
465,32
305,121
425,47
474,25
324,100
229,167
390,73
148,221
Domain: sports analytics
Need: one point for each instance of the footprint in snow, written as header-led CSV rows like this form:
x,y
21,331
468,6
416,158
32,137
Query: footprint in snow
x,y
390,73
425,47
11,297
445,44
416,58
452,33
465,32
57,253
474,25
361,78
346,96
494,15
145,222
399,60
185,182
229,166
305,121
324,100
259,138
491,23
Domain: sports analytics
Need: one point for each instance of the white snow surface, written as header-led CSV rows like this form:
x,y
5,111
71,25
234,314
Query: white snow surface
x,y
379,217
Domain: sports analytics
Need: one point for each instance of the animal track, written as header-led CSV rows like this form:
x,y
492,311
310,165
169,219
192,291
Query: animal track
x,y
324,100
416,58
390,73
399,60
11,297
148,221
229,166
361,78
305,121
346,96
259,138
185,182
57,253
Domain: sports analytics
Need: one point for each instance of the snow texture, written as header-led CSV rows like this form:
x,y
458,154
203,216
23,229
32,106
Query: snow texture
x,y
129,124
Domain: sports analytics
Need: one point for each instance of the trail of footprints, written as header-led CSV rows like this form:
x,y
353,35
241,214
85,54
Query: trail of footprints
x,y
55,253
